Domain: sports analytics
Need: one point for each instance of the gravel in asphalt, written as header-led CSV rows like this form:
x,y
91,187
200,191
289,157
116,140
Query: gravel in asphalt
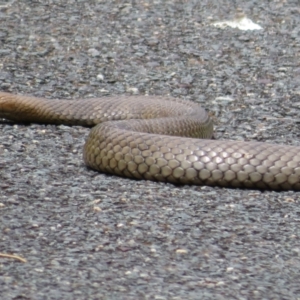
x,y
87,235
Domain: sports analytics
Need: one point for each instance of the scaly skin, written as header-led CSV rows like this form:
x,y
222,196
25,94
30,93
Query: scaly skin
x,y
158,139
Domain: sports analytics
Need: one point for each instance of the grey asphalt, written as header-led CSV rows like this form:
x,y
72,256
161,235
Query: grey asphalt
x,y
86,235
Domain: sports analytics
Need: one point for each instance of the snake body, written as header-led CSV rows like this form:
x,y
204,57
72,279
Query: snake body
x,y
157,139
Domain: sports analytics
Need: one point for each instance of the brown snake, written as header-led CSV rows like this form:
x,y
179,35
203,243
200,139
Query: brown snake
x,y
157,139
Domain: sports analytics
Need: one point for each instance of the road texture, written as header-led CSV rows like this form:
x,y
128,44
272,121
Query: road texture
x,y
86,235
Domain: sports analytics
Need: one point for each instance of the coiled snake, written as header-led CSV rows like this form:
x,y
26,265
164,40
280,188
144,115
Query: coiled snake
x,y
157,139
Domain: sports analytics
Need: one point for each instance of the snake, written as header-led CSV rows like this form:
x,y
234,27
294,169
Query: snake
x,y
161,139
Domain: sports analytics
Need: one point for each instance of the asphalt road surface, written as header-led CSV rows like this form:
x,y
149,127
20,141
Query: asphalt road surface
x,y
86,235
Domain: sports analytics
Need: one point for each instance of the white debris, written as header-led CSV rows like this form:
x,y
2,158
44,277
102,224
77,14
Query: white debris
x,y
241,22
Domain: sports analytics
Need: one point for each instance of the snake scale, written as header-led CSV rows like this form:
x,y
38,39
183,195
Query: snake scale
x,y
156,138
